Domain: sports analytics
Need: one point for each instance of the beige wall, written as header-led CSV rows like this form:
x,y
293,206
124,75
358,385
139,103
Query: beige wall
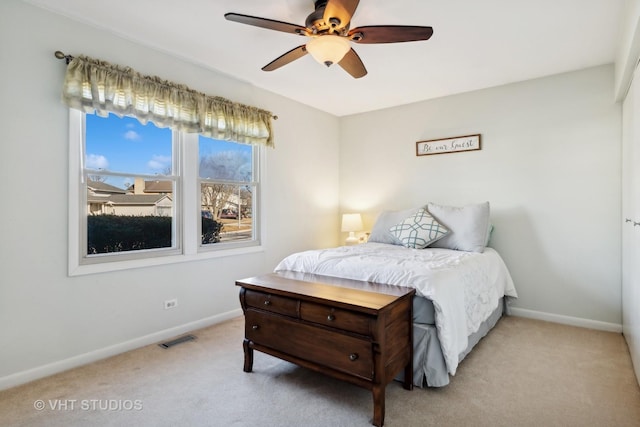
x,y
53,321
549,165
628,48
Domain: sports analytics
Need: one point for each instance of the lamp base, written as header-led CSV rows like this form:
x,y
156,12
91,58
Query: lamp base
x,y
352,239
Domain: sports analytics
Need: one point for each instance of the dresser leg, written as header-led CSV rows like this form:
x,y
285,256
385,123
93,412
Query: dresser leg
x,y
378,405
248,355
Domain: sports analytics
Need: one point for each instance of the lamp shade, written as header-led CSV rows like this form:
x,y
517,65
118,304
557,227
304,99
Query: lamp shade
x,y
352,222
328,49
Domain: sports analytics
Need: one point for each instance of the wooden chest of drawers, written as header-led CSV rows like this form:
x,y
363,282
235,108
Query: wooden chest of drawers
x,y
354,331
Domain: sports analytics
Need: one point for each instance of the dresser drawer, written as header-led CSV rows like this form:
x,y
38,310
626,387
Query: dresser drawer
x,y
272,303
327,348
337,318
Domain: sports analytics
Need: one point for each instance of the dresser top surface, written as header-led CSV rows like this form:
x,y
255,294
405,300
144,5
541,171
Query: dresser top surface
x,y
311,287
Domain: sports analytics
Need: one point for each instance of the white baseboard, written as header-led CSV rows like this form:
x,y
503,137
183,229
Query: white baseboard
x,y
566,320
92,356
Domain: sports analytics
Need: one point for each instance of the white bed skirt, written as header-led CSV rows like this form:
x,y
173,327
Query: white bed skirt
x,y
429,368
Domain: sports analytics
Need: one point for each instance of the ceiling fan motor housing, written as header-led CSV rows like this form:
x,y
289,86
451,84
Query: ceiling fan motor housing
x,y
316,22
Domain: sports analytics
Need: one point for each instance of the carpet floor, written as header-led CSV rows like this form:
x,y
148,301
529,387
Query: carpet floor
x,y
524,373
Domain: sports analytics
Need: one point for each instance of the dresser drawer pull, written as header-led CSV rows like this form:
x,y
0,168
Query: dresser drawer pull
x,y
255,327
267,302
353,357
331,318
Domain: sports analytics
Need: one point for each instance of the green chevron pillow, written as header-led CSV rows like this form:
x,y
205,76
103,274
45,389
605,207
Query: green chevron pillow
x,y
418,230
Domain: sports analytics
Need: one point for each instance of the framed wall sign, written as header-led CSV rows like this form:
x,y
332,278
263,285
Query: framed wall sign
x,y
448,145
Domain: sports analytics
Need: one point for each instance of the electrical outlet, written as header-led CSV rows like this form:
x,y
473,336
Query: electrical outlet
x,y
170,303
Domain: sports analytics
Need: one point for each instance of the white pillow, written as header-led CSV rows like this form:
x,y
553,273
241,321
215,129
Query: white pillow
x,y
468,226
380,232
418,230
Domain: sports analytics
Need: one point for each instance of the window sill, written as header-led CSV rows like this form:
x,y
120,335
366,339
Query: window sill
x,y
80,270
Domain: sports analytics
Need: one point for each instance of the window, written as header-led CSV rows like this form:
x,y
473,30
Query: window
x,y
130,175
145,193
227,190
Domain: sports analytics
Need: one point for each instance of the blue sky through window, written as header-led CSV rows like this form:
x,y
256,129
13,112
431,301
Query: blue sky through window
x,y
125,145
224,160
210,147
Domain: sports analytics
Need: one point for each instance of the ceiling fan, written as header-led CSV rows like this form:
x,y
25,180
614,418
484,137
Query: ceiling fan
x,y
328,29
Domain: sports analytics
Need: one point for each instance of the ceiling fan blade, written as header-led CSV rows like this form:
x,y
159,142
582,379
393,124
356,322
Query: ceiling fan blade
x,y
292,55
389,34
340,9
269,24
353,65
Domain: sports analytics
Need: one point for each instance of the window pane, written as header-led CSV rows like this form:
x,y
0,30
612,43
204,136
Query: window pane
x,y
227,212
223,160
129,186
125,145
226,191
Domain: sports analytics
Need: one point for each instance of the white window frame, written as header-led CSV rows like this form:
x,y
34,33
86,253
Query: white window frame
x,y
187,221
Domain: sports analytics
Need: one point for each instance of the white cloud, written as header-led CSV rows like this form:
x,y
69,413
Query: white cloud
x,y
132,135
96,161
159,163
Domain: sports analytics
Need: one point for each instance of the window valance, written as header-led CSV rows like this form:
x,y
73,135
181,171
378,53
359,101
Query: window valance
x,y
92,85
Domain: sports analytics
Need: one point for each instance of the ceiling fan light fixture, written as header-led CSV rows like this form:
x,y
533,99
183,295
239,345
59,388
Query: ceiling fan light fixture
x,y
328,49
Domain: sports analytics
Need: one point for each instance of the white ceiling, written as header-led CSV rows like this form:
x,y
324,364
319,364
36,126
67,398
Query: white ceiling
x,y
476,44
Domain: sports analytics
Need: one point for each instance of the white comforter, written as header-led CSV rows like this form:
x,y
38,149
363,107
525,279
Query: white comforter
x,y
465,287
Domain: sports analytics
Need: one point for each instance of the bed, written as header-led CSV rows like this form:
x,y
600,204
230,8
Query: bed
x,y
462,285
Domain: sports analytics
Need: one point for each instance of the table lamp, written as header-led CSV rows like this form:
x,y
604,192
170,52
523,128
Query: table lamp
x,y
352,223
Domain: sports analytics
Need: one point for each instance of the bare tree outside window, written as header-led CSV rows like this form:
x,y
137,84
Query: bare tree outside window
x,y
227,187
